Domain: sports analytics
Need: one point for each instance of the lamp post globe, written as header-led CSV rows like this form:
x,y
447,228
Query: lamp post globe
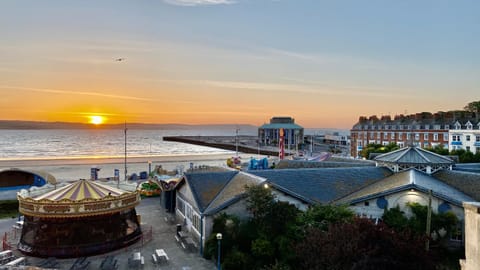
x,y
219,239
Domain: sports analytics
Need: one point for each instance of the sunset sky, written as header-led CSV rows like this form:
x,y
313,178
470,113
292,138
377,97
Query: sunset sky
x,y
324,63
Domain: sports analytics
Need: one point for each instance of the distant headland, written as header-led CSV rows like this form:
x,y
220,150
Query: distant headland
x,y
16,124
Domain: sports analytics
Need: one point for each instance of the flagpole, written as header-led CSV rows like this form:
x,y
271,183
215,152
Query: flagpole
x,y
125,130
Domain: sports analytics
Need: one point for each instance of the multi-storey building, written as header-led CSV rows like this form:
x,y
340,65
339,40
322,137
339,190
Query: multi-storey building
x,y
465,136
269,134
422,129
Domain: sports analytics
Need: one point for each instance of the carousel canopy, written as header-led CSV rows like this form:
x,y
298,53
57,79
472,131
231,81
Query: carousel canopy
x,y
80,190
81,198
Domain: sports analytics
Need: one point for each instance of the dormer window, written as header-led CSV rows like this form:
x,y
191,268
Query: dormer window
x,y
427,127
447,126
458,125
469,125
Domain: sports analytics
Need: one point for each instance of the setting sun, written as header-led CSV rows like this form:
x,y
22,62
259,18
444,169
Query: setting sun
x,y
96,119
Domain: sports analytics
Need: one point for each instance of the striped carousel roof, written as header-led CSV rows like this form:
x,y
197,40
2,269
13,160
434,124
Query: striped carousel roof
x,y
82,189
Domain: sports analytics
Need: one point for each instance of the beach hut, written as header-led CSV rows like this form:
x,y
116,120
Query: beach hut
x,y
81,219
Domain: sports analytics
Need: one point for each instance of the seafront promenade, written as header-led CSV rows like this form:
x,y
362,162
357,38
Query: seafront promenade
x,y
162,236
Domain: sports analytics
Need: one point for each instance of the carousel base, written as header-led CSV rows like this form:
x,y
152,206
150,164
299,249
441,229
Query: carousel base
x,y
79,237
77,251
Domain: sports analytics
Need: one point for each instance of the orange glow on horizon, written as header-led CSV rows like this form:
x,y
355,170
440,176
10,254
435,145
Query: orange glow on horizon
x,y
96,119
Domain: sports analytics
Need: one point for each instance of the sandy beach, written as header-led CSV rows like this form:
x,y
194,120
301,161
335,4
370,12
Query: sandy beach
x,y
73,169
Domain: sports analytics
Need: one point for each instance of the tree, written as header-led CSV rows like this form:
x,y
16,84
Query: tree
x,y
396,219
473,106
362,245
378,148
439,149
259,201
322,216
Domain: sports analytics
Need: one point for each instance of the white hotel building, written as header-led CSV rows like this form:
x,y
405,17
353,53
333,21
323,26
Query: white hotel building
x,y
465,137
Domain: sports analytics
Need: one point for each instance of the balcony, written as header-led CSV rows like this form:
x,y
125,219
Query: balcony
x,y
477,143
456,143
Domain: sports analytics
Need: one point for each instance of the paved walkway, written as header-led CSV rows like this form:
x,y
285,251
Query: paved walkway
x,y
152,216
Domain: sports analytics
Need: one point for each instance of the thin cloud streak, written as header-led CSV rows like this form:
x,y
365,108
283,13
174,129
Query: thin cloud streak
x,y
191,3
67,92
307,89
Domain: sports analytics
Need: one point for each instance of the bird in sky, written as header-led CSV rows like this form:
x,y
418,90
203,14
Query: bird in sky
x,y
119,59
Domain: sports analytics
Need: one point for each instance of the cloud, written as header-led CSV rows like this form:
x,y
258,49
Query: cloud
x,y
309,88
59,91
191,3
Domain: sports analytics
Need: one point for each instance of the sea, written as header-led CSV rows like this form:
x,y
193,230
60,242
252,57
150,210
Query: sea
x,y
99,143
108,143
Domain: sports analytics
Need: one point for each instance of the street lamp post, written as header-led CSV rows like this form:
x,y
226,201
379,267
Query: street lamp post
x,y
149,168
219,238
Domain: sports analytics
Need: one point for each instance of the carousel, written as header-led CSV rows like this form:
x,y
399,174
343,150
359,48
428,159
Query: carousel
x,y
81,219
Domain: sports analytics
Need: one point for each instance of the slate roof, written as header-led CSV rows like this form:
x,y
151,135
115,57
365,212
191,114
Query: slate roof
x,y
467,167
404,181
233,191
206,185
467,182
413,155
322,185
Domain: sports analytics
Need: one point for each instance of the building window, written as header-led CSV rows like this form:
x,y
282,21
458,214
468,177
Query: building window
x,y
427,127
392,135
425,136
447,127
477,149
437,127
400,136
180,206
477,138
458,126
467,148
385,135
435,136
367,203
417,136
445,137
467,137
196,222
408,136
456,138
469,125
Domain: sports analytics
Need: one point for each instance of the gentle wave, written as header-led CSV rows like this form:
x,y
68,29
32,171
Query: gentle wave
x,y
88,144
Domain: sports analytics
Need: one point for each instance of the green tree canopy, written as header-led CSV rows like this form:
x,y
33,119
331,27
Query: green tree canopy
x,y
473,106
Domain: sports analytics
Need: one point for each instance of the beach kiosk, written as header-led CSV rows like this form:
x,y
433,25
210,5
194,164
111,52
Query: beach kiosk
x,y
81,219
